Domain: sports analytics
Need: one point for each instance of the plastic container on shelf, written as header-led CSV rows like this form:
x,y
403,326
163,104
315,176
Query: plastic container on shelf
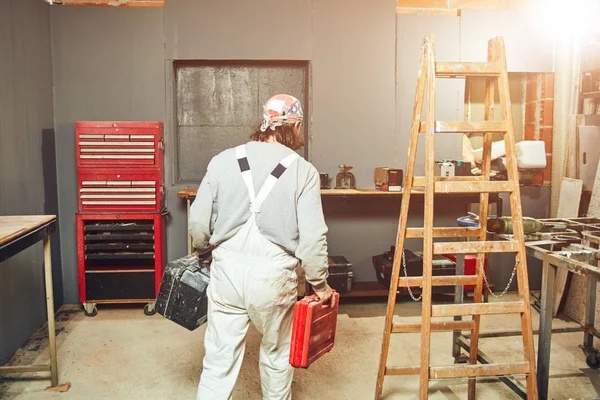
x,y
531,154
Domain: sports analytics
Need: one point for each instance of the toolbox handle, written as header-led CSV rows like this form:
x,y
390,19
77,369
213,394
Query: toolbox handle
x,y
330,303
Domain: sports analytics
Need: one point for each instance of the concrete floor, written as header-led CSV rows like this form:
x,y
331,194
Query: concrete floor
x,y
123,354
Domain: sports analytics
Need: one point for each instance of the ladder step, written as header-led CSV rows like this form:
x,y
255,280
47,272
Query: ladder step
x,y
456,310
495,246
444,232
458,185
402,370
456,69
470,371
419,181
466,127
435,326
474,187
464,371
447,280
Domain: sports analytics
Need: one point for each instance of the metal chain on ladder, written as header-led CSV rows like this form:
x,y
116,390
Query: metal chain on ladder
x,y
487,285
482,270
406,276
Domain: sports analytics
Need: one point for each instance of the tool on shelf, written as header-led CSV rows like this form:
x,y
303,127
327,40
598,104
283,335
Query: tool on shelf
x,y
495,74
345,179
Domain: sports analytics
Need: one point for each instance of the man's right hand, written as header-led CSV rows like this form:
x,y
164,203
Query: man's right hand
x,y
325,294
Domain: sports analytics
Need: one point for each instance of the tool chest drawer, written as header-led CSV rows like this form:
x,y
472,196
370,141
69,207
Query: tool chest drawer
x,y
119,144
117,285
106,190
119,256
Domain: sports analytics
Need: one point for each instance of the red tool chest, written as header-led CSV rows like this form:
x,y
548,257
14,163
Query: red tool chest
x,y
120,235
119,144
313,329
119,189
119,257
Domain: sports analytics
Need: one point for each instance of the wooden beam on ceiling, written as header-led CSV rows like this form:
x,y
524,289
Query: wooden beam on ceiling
x,y
454,7
111,3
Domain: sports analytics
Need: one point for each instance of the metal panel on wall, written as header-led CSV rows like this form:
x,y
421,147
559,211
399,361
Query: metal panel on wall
x,y
219,104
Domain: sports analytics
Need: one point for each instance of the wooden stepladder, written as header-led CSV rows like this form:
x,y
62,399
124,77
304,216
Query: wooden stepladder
x,y
495,73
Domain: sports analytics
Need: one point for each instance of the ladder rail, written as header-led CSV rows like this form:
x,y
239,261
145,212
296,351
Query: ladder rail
x,y
428,224
483,212
403,219
517,214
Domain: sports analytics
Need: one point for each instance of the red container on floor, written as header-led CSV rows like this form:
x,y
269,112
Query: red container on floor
x,y
313,330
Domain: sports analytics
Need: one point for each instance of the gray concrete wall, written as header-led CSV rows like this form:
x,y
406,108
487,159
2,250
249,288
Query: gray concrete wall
x,y
25,110
117,64
108,64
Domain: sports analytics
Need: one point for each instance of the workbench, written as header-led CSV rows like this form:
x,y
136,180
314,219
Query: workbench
x,y
17,233
555,250
360,289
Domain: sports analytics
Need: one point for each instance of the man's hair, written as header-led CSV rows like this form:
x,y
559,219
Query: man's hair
x,y
284,135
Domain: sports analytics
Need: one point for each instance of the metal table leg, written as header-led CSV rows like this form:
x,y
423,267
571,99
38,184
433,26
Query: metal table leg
x,y
545,338
590,314
189,237
50,309
458,299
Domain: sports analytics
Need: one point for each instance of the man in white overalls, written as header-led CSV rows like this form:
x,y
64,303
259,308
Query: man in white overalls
x,y
259,210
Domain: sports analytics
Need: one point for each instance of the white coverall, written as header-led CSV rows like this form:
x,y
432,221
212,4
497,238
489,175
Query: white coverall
x,y
252,279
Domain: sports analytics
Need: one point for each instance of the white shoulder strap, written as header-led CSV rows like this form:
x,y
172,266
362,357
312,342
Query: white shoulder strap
x,y
272,180
240,153
256,201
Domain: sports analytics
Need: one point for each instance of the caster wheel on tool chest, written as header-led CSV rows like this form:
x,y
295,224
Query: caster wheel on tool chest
x,y
90,310
592,360
149,309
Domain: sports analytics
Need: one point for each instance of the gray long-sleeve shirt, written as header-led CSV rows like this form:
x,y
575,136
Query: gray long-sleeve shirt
x,y
291,216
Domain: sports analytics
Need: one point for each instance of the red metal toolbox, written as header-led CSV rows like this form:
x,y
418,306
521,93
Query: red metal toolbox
x,y
313,330
120,257
470,266
119,144
121,190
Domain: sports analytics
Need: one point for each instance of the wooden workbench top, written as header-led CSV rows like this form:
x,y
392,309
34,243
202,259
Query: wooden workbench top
x,y
14,226
191,192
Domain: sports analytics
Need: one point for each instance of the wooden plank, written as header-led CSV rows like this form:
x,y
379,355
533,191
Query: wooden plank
x,y
444,232
467,127
446,12
494,246
14,226
568,207
422,4
18,369
428,223
447,280
498,48
570,196
455,310
474,187
435,326
458,69
187,193
594,207
471,371
403,218
420,180
486,158
402,371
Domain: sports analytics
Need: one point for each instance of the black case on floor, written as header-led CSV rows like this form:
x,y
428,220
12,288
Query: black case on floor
x,y
182,297
383,264
340,274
